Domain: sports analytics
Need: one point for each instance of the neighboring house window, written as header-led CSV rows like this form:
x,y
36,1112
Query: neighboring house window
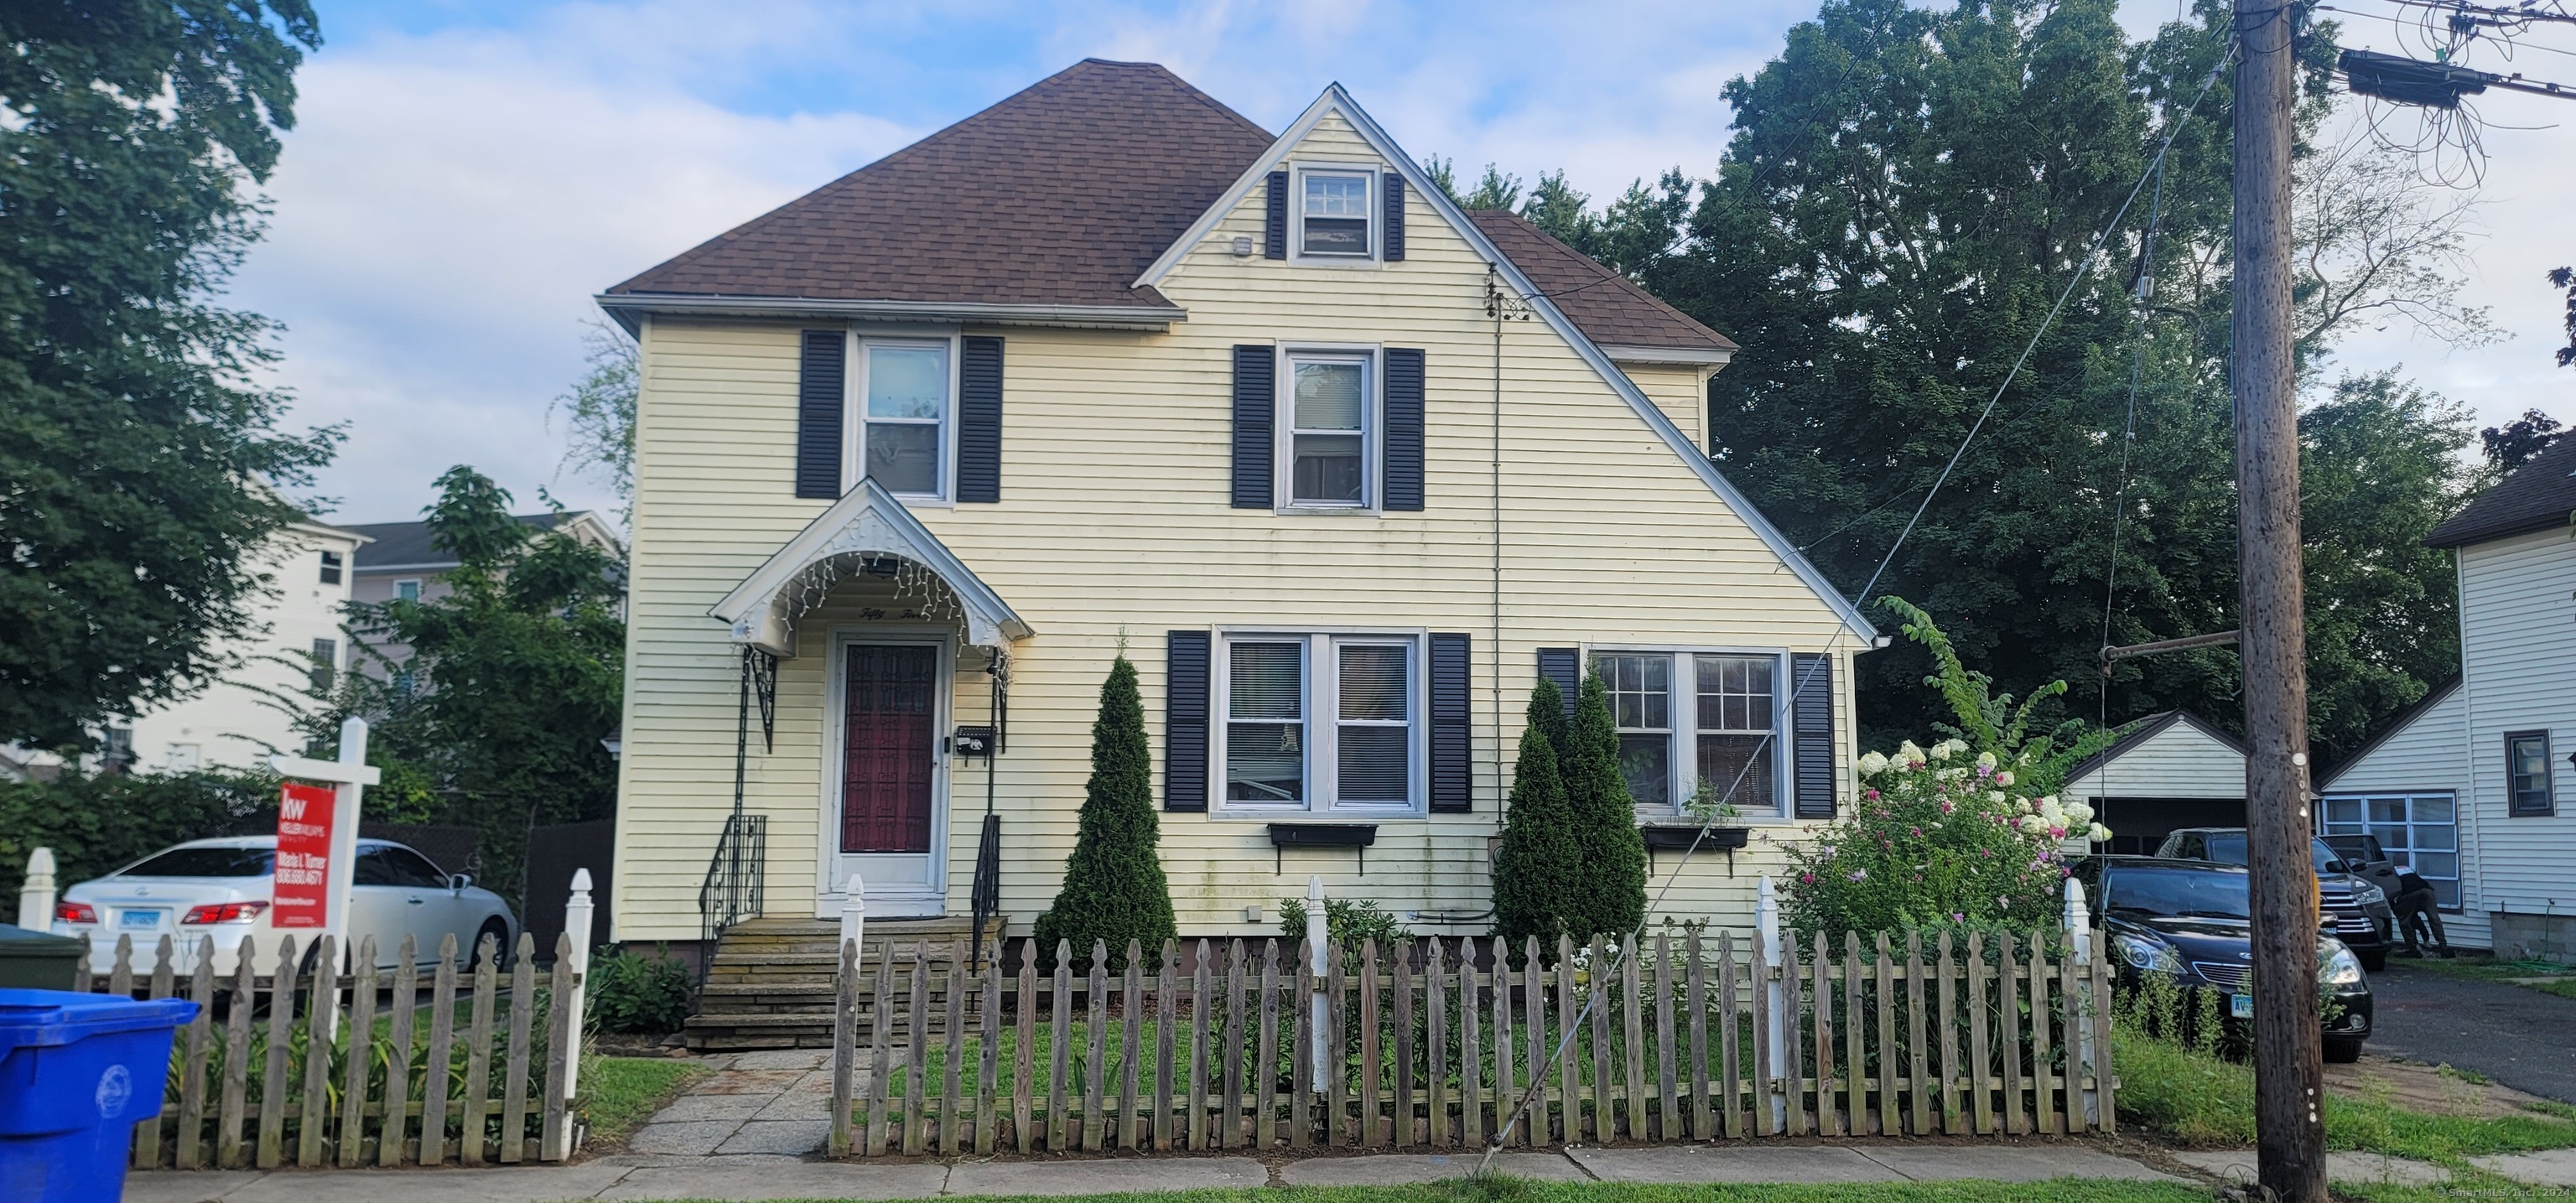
x,y
1321,722
2418,831
407,591
331,561
1333,214
326,662
2526,770
184,758
1326,438
901,437
1722,732
118,751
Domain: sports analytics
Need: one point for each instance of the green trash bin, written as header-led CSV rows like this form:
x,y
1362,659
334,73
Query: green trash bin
x,y
34,960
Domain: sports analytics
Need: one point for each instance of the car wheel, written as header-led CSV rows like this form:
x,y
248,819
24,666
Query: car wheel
x,y
499,934
2343,1050
2373,962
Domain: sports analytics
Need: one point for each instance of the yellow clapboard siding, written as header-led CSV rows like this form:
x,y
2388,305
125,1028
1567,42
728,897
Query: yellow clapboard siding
x,y
1115,525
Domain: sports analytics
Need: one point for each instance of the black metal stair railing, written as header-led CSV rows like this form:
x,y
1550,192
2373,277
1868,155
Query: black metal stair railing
x,y
736,878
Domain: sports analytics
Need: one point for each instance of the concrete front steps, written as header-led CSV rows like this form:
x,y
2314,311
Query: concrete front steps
x,y
770,985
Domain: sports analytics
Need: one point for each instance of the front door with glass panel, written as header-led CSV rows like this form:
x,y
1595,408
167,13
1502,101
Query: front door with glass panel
x,y
888,786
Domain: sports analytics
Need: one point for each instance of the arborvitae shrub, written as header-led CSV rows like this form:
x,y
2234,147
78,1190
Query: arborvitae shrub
x,y
1113,883
1537,871
1611,851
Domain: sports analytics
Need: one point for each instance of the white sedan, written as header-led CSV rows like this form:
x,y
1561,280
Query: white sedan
x,y
222,889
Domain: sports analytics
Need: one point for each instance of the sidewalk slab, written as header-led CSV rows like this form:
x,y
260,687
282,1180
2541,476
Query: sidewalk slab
x,y
687,1138
2553,1167
1398,1169
791,1137
2237,1166
1688,1164
513,1184
2008,1163
185,1186
1104,1177
763,1178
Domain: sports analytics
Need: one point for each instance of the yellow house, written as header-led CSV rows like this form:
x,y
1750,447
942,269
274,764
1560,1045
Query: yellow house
x,y
1341,468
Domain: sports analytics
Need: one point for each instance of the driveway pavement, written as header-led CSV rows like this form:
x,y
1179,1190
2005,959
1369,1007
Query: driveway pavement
x,y
2522,1038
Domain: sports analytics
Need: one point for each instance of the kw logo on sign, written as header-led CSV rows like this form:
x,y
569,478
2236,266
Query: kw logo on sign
x,y
291,808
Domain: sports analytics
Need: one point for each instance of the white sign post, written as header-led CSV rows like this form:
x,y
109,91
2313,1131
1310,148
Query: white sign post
x,y
1315,962
2078,920
350,775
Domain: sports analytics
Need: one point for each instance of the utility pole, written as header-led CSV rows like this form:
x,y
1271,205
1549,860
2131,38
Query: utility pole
x,y
2289,1064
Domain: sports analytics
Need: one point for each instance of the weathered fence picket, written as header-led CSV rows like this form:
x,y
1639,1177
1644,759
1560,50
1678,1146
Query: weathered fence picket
x,y
291,1061
1443,1042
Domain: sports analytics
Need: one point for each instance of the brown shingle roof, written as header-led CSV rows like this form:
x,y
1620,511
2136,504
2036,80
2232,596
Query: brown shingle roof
x,y
1060,195
1609,308
2539,495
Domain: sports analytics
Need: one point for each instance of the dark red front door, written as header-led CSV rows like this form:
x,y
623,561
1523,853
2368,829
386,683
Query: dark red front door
x,y
887,738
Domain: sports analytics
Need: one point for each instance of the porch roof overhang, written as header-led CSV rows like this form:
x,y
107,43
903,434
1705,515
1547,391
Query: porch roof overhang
x,y
866,523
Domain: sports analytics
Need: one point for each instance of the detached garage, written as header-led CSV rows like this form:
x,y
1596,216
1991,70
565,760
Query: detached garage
x,y
2168,771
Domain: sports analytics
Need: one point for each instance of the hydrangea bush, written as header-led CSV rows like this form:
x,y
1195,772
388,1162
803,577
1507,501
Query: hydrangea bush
x,y
1966,833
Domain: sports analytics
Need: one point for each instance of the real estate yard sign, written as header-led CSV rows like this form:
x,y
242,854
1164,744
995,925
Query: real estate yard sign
x,y
304,828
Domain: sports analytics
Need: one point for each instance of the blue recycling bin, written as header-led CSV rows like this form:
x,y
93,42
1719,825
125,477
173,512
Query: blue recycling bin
x,y
77,1072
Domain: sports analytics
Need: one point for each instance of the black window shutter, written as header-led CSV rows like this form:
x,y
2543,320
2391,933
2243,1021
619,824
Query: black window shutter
x,y
1563,665
1812,717
1185,720
1394,217
818,413
1256,371
1274,219
1453,781
979,419
1403,428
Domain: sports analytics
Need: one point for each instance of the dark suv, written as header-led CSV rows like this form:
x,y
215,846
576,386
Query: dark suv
x,y
2189,920
2362,917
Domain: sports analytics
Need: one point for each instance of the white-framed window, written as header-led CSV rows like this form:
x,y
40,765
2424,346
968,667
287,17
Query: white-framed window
x,y
331,565
326,663
1692,717
1336,212
2420,832
407,591
1320,722
1328,435
902,425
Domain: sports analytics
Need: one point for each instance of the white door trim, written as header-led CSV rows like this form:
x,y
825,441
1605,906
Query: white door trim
x,y
927,901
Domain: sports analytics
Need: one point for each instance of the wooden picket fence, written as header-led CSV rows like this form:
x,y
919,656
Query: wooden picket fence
x,y
454,1063
1435,1044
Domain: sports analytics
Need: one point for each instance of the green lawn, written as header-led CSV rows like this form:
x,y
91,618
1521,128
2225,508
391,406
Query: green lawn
x,y
1515,1190
620,1093
2561,978
2194,1098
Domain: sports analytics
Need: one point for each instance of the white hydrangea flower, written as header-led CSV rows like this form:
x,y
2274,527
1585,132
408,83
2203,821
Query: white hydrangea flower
x,y
2098,833
1994,795
1910,755
1872,764
1985,760
2078,814
2004,778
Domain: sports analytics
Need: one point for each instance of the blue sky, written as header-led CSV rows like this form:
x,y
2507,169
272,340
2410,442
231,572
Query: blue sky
x,y
465,174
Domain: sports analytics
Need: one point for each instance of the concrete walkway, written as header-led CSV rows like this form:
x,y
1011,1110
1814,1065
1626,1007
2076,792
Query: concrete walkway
x,y
769,1176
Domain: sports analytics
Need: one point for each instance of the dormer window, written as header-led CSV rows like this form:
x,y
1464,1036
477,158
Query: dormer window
x,y
1333,214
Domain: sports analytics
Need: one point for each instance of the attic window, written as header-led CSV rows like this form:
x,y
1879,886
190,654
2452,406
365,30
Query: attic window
x,y
1333,214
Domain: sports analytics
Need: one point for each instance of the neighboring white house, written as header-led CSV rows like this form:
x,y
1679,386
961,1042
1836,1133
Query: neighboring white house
x,y
294,644
2168,771
2477,778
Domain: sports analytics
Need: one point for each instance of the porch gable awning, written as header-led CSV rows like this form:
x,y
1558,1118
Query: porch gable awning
x,y
866,523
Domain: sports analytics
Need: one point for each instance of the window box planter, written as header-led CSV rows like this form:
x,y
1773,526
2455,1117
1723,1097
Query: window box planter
x,y
1356,836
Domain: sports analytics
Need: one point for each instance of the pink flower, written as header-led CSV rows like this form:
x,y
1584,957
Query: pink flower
x,y
1872,795
1947,806
1808,878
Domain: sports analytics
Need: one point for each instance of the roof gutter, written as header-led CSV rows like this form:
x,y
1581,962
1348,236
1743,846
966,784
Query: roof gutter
x,y
628,310
1697,356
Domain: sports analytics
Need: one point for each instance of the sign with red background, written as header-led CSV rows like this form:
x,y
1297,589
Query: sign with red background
x,y
302,894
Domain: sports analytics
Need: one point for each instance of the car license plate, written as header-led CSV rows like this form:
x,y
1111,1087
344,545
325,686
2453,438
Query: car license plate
x,y
2240,1006
140,920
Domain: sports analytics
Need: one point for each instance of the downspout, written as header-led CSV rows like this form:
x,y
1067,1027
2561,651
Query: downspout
x,y
1494,682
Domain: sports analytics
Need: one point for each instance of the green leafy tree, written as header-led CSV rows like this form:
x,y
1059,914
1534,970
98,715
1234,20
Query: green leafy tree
x,y
1610,895
599,410
513,678
1538,870
132,439
1114,890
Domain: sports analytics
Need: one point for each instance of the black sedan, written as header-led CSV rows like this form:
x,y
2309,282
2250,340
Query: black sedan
x,y
2189,920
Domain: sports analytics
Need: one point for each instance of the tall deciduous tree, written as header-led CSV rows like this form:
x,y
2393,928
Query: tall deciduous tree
x,y
514,676
132,444
1114,890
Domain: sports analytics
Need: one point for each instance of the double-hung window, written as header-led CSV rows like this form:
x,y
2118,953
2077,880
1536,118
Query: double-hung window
x,y
331,562
904,389
1325,442
1333,209
2418,831
1317,722
1689,720
2526,772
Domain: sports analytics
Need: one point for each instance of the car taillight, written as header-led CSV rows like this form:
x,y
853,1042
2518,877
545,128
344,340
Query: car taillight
x,y
75,912
224,912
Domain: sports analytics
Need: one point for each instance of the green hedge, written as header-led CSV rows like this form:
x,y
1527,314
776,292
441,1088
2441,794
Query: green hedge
x,y
98,824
